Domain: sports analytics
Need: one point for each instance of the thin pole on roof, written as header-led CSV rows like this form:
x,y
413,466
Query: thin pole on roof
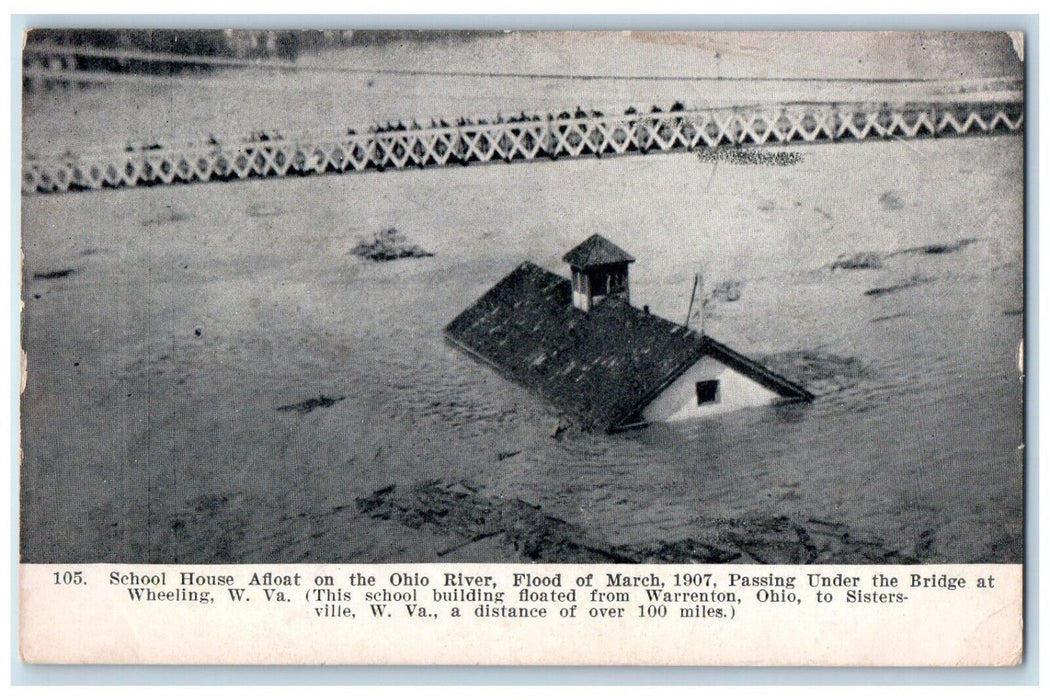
x,y
692,299
703,303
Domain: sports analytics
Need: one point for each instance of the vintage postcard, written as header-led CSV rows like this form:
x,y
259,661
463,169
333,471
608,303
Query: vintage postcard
x,y
340,339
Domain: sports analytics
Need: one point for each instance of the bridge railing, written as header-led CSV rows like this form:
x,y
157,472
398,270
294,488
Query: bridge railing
x,y
524,139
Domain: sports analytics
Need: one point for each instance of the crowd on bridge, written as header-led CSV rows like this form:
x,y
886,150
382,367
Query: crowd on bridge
x,y
435,123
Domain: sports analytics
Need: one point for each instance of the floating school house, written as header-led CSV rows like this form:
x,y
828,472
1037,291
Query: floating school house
x,y
580,345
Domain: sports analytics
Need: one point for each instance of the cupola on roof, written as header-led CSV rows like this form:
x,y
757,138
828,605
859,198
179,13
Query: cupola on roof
x,y
596,251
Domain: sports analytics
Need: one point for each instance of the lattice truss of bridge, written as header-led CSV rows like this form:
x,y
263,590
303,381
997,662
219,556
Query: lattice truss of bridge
x,y
525,138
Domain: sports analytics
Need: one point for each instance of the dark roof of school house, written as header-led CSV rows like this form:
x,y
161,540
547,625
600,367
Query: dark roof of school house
x,y
601,366
596,251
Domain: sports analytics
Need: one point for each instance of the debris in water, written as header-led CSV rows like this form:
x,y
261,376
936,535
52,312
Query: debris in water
x,y
263,209
54,274
166,216
880,319
822,372
939,248
560,429
891,200
872,260
867,260
913,281
457,509
388,244
451,508
687,550
746,156
321,401
472,540
507,455
729,290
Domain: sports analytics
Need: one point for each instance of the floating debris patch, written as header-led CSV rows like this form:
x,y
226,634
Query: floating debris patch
x,y
822,372
913,281
890,317
938,248
166,216
263,209
727,291
321,401
388,244
683,551
867,260
458,509
874,260
891,201
747,156
54,274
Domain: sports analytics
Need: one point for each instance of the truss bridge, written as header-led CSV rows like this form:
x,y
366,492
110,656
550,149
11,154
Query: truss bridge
x,y
500,140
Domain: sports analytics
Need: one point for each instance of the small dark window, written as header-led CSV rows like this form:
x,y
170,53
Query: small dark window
x,y
707,392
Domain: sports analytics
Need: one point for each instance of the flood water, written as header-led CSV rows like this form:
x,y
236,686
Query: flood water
x,y
190,314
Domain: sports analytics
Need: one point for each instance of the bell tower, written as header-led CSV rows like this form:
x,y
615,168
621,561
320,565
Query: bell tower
x,y
599,271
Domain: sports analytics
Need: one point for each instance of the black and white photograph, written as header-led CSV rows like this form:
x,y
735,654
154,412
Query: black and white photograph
x,y
555,297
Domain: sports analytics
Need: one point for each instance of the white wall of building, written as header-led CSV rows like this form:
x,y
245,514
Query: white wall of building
x,y
735,391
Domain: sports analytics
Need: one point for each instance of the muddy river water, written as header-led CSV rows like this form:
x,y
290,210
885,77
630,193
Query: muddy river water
x,y
182,318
